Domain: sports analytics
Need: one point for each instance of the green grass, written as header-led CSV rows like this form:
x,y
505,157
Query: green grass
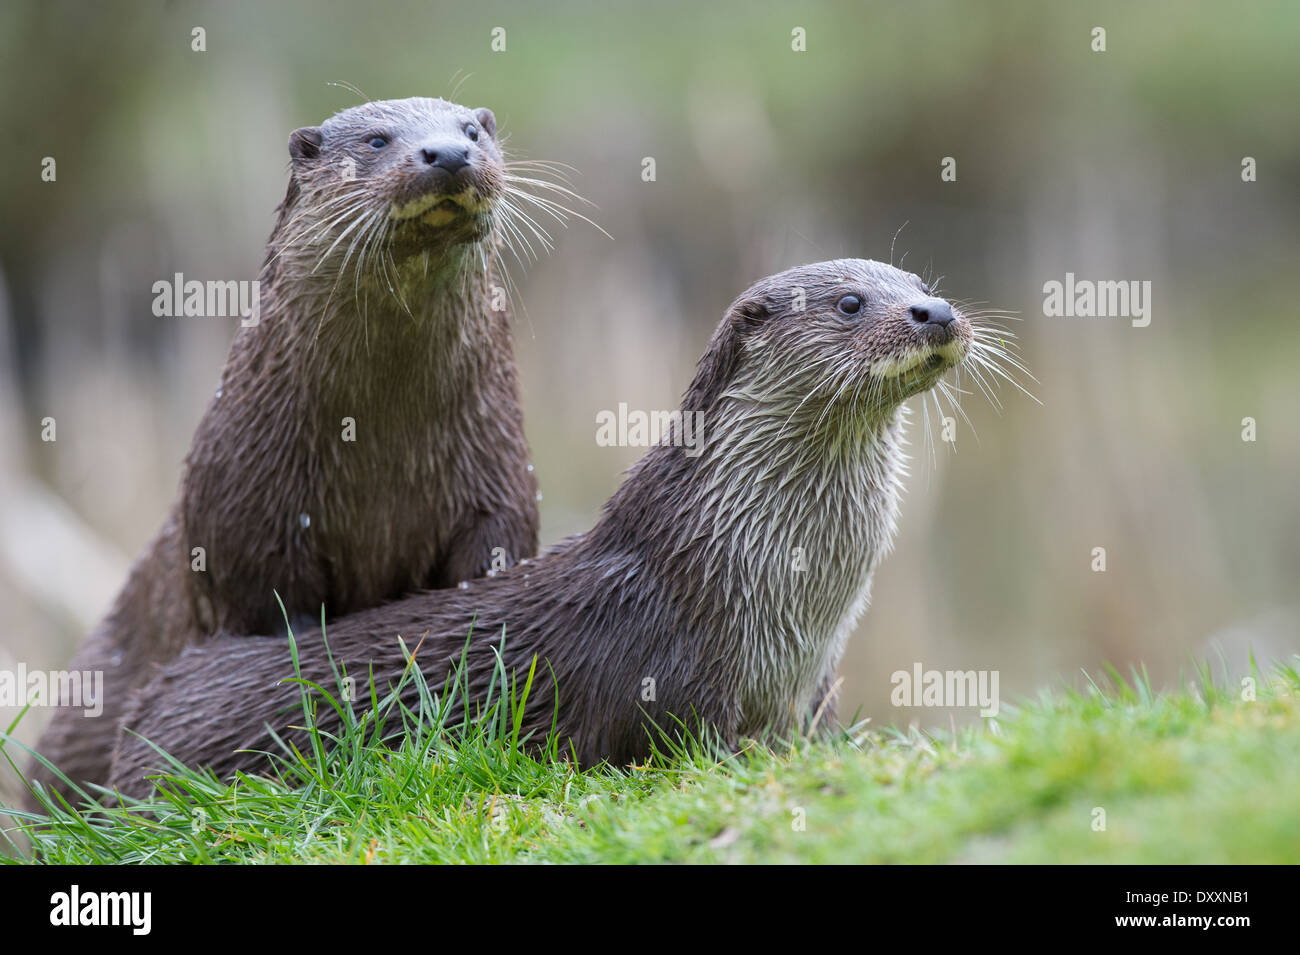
x,y
1193,776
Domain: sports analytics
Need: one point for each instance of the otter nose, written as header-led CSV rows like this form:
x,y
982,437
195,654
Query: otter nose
x,y
449,156
933,311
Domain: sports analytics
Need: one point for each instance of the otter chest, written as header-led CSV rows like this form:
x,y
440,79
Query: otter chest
x,y
804,593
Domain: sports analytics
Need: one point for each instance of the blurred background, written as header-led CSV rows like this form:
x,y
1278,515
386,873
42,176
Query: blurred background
x,y
1117,165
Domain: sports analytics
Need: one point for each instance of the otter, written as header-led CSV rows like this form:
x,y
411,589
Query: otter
x,y
365,439
715,589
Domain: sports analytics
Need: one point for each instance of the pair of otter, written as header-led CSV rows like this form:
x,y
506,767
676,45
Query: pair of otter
x,y
726,580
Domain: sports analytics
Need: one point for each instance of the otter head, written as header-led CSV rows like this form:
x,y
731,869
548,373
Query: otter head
x,y
845,340
410,175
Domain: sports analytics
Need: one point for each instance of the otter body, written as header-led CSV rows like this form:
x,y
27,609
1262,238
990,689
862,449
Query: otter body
x,y
366,438
717,590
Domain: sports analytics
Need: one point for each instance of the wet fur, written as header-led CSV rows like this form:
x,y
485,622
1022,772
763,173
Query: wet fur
x,y
384,322
688,579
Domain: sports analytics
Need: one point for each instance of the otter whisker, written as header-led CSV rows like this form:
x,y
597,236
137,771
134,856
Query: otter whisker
x,y
997,337
1005,351
984,360
545,207
562,169
344,84
341,236
513,295
550,187
978,377
927,445
325,310
517,212
458,83
365,235
313,211
533,226
401,299
558,210
974,305
309,235
518,222
895,239
516,241
511,243
946,388
530,179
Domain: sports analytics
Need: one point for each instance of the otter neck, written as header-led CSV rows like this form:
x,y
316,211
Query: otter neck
x,y
767,541
416,328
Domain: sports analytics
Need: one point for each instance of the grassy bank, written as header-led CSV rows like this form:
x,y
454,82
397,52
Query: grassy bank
x,y
1195,776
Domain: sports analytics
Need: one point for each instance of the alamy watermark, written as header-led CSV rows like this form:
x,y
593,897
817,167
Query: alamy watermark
x,y
76,688
129,909
951,688
1084,298
642,429
178,297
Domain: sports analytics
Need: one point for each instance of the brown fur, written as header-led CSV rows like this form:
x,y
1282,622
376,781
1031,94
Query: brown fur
x,y
385,321
687,580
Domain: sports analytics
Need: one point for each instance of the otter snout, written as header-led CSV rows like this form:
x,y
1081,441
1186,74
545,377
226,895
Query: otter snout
x,y
447,156
442,167
935,321
441,181
932,311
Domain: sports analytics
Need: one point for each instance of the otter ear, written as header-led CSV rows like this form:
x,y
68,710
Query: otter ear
x,y
747,314
719,363
487,120
305,143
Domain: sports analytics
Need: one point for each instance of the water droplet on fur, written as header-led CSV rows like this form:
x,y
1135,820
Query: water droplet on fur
x,y
539,495
463,585
304,520
530,469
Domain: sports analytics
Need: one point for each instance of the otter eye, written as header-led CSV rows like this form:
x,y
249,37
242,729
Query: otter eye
x,y
379,142
472,132
849,305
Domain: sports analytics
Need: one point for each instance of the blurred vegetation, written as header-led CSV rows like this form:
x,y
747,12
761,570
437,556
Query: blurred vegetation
x,y
1123,164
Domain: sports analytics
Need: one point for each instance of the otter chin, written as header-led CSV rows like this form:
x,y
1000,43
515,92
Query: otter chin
x,y
726,580
445,220
440,208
